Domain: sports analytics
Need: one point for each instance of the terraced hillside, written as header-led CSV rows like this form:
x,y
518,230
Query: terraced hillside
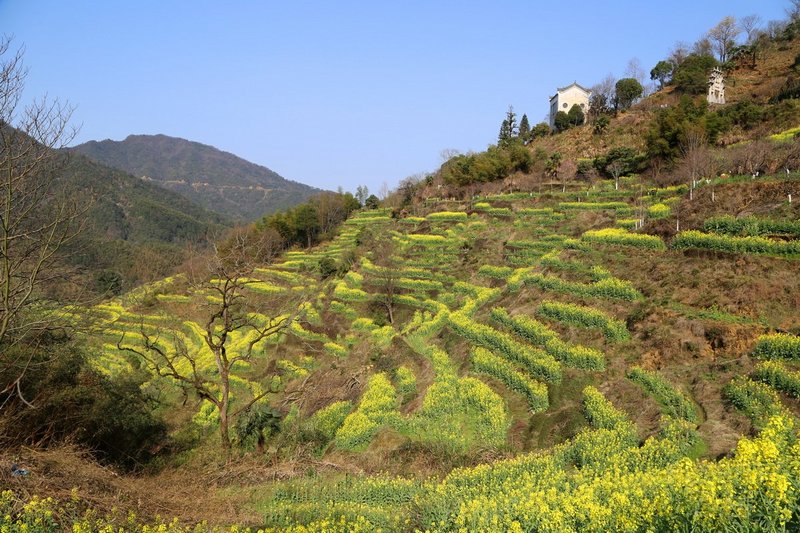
x,y
593,359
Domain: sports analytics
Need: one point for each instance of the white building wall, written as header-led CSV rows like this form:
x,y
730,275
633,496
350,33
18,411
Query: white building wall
x,y
565,98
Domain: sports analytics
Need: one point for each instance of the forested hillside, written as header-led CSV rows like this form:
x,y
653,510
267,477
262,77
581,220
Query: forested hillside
x,y
216,180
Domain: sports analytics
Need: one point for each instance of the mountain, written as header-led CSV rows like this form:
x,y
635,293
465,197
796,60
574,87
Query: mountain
x,y
216,180
135,231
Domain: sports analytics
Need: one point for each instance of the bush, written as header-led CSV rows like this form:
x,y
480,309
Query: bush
x,y
110,415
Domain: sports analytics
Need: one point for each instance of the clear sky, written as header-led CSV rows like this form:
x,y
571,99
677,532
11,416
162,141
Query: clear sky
x,y
338,93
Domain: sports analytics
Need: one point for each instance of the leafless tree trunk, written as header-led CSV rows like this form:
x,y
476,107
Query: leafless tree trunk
x,y
723,37
230,311
37,219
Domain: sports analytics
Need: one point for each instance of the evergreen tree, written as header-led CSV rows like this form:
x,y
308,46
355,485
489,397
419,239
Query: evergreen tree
x,y
525,129
576,116
508,129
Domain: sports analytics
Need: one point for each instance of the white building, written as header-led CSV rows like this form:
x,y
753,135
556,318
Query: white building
x,y
565,98
716,87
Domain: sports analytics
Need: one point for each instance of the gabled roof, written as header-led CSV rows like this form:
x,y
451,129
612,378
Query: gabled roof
x,y
573,84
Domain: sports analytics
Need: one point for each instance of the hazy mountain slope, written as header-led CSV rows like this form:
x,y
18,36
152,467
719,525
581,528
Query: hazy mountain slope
x,y
217,180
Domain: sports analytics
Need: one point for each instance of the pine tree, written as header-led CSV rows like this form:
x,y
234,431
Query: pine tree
x,y
525,129
509,129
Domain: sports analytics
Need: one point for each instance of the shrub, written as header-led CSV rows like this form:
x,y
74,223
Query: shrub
x,y
112,416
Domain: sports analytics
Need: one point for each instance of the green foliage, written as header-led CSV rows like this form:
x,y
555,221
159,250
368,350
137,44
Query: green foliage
x,y
619,236
775,374
622,161
73,402
601,124
742,245
587,317
673,403
254,425
752,226
508,129
525,129
537,362
778,346
758,401
542,129
496,163
575,116
308,222
662,73
538,334
691,75
626,92
561,121
668,129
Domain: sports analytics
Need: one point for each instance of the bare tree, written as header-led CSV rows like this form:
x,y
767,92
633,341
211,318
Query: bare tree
x,y
234,325
696,155
615,168
678,53
793,11
37,217
723,37
751,25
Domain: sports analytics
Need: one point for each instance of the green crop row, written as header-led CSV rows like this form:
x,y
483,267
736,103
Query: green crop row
x,y
659,210
600,412
742,245
537,362
538,334
587,317
673,403
377,406
447,216
775,374
495,272
329,419
751,226
613,288
778,346
758,401
536,393
623,237
591,206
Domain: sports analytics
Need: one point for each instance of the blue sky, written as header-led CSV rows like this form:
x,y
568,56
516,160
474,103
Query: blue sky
x,y
337,93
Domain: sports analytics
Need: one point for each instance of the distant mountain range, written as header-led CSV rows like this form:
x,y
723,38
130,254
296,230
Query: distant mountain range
x,y
217,180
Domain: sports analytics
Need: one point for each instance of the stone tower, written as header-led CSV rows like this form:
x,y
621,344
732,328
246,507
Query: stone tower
x,y
716,87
